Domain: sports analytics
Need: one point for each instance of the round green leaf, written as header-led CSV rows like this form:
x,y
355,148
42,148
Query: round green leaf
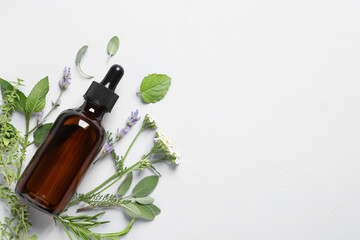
x,y
154,87
131,210
41,133
145,186
145,211
113,46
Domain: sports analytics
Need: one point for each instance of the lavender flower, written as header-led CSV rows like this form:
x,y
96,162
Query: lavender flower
x,y
65,81
39,118
121,133
133,118
56,103
108,147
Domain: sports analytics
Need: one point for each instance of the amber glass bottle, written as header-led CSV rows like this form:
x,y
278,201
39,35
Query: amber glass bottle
x,y
76,137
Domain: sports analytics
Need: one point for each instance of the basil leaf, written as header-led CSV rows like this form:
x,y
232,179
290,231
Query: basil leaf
x,y
154,87
145,186
155,209
19,102
36,98
78,59
125,185
41,133
144,200
113,46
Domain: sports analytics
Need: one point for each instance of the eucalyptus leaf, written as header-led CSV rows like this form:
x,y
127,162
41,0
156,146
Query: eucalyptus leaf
x,y
154,87
145,186
36,99
125,185
131,210
113,46
155,208
78,59
41,132
19,102
144,200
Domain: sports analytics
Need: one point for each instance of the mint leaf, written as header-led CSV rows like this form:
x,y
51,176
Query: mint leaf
x,y
144,200
78,59
125,185
154,87
155,209
41,133
36,98
113,46
145,186
19,102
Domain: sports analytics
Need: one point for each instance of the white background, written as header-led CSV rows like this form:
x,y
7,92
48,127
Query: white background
x,y
264,106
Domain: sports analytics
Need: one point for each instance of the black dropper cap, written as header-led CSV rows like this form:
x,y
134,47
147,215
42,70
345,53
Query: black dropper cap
x,y
103,95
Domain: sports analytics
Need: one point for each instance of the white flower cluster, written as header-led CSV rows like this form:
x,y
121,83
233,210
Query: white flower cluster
x,y
163,142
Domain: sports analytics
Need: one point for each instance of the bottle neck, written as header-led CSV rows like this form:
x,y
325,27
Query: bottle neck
x,y
92,110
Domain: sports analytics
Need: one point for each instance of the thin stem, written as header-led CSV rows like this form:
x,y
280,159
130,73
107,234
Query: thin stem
x,y
123,232
141,129
26,143
85,75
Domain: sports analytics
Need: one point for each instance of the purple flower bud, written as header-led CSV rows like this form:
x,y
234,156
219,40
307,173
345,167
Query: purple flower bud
x,y
65,81
57,103
133,118
108,147
121,133
39,117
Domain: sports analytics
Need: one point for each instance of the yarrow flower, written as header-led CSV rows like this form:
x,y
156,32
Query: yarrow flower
x,y
56,103
108,147
164,145
133,118
144,163
39,118
65,81
149,122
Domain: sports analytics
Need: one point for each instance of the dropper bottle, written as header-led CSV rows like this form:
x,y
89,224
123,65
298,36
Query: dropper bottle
x,y
76,137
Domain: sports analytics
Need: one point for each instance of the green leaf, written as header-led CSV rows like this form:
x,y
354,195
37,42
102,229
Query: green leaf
x,y
131,210
145,211
113,46
20,102
144,200
80,54
145,186
41,133
155,209
125,185
154,87
36,98
33,237
78,59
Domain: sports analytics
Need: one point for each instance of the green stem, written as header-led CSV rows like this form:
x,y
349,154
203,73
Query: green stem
x,y
26,143
141,129
85,75
123,232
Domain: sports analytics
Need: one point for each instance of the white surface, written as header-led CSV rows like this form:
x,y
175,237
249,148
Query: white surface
x,y
264,106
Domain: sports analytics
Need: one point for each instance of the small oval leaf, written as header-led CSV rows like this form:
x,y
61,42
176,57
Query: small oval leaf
x,y
41,133
80,54
145,186
113,46
125,185
155,209
144,200
145,211
131,210
154,87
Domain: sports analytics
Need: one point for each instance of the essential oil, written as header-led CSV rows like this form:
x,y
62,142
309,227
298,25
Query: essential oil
x,y
75,139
